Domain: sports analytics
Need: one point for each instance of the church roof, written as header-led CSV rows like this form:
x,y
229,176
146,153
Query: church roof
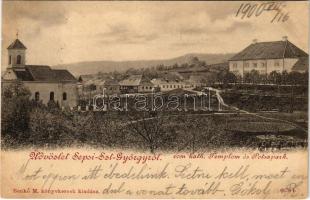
x,y
270,50
17,44
43,73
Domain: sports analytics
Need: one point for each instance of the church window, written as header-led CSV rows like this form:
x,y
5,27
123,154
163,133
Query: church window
x,y
37,96
10,59
64,96
51,96
19,59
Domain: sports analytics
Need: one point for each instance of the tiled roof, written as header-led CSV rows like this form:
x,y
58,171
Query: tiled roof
x,y
17,44
270,50
63,75
22,74
42,73
302,64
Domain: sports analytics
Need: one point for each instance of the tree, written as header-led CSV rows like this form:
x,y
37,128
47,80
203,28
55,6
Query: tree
x,y
16,107
229,77
254,76
275,77
149,128
294,78
226,77
49,128
247,77
220,76
284,77
305,78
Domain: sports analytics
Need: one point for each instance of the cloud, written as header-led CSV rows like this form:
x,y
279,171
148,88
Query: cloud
x,y
31,18
117,30
122,34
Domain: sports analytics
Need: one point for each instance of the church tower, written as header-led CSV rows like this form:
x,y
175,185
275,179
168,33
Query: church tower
x,y
17,54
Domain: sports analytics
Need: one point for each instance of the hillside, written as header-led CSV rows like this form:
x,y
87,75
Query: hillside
x,y
93,67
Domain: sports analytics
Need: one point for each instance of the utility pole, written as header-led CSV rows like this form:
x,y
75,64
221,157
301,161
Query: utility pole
x,y
209,99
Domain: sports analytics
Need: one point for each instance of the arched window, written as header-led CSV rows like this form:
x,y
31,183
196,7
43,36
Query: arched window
x,y
10,59
19,59
51,96
37,96
64,96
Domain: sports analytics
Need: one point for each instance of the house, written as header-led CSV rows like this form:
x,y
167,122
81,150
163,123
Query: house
x,y
266,57
136,84
111,86
167,85
169,81
45,84
88,88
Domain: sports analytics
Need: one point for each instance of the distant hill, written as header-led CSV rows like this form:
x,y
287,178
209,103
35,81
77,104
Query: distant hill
x,y
93,67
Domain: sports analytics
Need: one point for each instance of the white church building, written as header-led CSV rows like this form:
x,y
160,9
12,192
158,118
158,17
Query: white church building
x,y
45,84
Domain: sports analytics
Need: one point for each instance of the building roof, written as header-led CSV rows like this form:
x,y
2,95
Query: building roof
x,y
169,77
87,77
22,74
17,44
195,78
133,80
269,50
63,75
43,73
302,64
136,80
146,82
111,81
102,82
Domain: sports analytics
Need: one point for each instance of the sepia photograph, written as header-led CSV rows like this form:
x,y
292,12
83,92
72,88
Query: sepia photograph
x,y
138,87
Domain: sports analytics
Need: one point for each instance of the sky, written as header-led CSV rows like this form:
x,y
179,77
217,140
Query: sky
x,y
65,31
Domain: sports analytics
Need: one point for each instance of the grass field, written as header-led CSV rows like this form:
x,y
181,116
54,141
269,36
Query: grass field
x,y
160,132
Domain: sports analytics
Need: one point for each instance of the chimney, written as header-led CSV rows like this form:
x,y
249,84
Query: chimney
x,y
284,38
254,41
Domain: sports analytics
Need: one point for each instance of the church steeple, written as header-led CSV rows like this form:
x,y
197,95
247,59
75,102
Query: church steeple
x,y
17,53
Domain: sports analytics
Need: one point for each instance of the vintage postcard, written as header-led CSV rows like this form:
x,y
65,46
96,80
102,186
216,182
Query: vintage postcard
x,y
154,99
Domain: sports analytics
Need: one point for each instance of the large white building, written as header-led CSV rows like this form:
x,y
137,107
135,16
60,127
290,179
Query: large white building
x,y
266,57
44,83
